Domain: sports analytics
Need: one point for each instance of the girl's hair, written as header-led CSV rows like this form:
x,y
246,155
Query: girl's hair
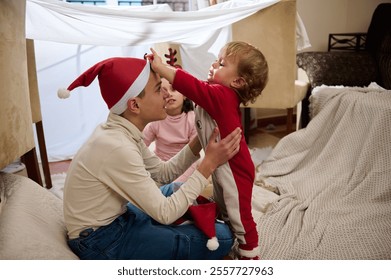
x,y
187,105
252,67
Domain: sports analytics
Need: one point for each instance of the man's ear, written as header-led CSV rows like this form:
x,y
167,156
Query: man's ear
x,y
133,105
238,83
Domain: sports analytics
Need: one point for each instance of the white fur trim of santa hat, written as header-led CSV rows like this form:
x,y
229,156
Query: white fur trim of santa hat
x,y
249,253
134,90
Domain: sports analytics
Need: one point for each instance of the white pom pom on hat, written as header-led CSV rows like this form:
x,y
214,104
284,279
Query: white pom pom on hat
x,y
120,78
212,243
63,93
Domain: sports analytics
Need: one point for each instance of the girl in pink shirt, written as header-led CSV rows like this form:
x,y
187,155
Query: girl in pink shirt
x,y
175,131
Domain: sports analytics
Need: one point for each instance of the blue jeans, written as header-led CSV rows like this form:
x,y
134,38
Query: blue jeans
x,y
135,235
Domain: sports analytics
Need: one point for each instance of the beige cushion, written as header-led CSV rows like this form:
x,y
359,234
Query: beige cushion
x,y
31,221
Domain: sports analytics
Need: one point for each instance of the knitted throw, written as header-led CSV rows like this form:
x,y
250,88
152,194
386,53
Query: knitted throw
x,y
333,182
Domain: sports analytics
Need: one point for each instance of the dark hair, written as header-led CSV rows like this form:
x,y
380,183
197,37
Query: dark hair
x,y
187,105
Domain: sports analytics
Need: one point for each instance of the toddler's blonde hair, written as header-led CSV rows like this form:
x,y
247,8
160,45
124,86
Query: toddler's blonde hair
x,y
252,67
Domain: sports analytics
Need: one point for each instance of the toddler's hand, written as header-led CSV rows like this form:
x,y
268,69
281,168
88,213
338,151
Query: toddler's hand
x,y
148,56
155,60
164,70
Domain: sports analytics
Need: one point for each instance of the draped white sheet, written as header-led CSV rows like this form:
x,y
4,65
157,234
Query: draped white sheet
x,y
130,26
69,38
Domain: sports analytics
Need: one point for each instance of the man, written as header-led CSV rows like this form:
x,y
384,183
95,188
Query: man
x,y
115,167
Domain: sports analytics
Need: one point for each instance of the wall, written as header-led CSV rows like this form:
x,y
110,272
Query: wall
x,y
334,16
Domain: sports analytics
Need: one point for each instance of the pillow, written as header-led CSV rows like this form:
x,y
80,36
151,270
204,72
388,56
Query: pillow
x,y
31,221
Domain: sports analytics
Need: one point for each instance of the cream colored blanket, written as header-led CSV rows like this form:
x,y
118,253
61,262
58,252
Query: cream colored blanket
x,y
333,181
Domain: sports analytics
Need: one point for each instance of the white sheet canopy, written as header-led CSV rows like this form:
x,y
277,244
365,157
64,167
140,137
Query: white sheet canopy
x,y
130,26
69,38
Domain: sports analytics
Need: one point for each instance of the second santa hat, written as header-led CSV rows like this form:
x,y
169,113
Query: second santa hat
x,y
204,213
120,78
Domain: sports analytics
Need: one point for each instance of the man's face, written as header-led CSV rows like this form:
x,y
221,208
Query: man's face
x,y
152,104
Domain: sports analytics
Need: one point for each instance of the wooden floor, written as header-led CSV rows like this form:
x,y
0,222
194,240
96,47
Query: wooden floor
x,y
59,166
260,137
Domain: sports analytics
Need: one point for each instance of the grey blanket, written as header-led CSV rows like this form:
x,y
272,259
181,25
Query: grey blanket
x,y
325,191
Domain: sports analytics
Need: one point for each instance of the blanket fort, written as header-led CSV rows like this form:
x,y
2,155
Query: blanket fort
x,y
59,60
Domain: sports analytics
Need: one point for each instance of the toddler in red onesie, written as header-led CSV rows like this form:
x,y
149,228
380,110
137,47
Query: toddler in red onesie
x,y
238,76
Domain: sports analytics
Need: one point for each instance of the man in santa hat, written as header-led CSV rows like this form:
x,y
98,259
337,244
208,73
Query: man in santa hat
x,y
114,167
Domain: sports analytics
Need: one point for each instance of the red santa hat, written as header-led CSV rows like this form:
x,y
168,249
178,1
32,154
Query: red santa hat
x,y
204,216
120,79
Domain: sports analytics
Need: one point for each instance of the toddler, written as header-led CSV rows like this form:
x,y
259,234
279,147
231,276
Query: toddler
x,y
238,76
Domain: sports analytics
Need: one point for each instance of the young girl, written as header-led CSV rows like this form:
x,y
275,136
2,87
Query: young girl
x,y
174,132
238,76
